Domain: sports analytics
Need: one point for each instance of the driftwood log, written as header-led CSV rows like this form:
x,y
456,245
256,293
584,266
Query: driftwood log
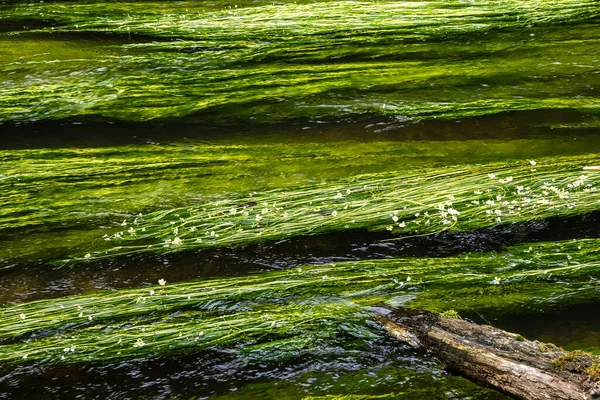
x,y
504,361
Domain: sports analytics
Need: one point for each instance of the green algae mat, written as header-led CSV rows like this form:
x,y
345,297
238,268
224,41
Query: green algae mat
x,y
207,199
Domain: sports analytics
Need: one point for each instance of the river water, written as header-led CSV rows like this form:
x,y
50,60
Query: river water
x,y
109,109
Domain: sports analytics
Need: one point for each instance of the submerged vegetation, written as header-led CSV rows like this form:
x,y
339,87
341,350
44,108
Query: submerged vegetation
x,y
415,203
277,62
85,191
279,121
285,313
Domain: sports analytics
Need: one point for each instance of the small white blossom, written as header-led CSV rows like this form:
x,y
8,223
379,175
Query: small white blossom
x,y
162,282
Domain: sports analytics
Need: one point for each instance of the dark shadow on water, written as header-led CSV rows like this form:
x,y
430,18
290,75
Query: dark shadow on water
x,y
360,128
576,327
38,281
382,366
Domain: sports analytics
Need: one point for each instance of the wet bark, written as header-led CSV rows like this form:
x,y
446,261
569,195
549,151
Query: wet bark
x,y
495,358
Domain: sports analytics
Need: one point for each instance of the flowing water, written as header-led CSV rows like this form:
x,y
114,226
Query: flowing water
x,y
113,110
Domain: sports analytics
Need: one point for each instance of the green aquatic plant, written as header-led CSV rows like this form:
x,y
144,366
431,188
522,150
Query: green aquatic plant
x,y
408,204
269,63
287,312
83,191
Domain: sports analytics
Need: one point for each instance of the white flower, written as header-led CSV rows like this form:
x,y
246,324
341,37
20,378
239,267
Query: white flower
x,y
152,293
496,281
87,256
177,241
408,279
532,162
176,231
348,191
162,282
124,222
334,213
389,228
491,176
402,224
258,217
131,230
452,211
338,196
139,343
22,316
233,211
394,218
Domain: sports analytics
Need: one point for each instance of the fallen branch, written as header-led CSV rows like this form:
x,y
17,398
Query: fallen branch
x,y
495,358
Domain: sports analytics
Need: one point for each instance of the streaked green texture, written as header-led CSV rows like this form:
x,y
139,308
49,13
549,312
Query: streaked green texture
x,y
412,203
139,61
282,314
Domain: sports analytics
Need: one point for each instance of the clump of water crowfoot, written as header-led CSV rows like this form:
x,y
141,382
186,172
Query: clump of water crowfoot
x,y
289,311
322,59
407,204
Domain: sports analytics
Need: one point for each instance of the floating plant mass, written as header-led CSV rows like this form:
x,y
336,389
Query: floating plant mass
x,y
406,204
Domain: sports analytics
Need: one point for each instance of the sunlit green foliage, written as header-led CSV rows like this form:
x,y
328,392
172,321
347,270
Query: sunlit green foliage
x,y
275,62
82,191
287,312
414,203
